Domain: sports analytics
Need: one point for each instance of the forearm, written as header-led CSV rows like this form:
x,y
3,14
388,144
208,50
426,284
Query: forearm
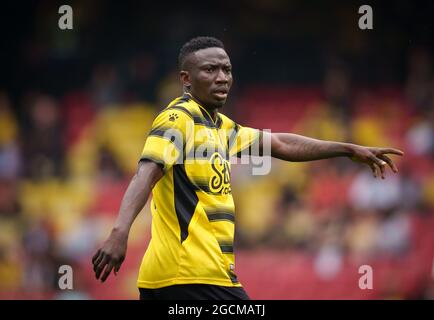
x,y
135,198
297,148
132,203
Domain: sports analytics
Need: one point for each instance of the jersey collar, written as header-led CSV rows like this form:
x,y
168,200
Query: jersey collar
x,y
217,124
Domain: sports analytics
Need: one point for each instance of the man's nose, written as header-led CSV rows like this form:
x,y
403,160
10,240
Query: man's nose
x,y
222,77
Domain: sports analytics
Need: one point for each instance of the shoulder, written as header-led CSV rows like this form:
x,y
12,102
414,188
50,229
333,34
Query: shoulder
x,y
174,116
227,123
182,106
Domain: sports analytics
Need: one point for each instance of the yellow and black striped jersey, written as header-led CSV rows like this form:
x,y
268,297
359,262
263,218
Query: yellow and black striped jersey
x,y
193,211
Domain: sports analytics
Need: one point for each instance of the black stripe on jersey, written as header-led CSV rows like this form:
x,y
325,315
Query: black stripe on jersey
x,y
196,118
185,98
186,199
182,109
219,122
153,159
206,151
220,216
199,120
169,134
226,247
202,184
208,119
205,188
233,136
233,277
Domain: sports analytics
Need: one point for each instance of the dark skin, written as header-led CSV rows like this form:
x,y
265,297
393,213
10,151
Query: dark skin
x,y
207,75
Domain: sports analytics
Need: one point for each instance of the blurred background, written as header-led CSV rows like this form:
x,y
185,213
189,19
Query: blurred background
x,y
76,106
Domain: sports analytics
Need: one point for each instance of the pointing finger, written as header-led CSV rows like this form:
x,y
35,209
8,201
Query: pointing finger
x,y
392,151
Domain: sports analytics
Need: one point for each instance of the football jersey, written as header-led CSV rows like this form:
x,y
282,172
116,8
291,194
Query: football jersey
x,y
193,211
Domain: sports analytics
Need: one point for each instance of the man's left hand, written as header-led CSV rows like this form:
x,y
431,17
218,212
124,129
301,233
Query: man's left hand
x,y
375,158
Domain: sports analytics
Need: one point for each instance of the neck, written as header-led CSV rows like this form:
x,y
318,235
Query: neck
x,y
211,109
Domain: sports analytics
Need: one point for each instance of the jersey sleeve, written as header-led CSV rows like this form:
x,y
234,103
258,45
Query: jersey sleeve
x,y
245,141
165,143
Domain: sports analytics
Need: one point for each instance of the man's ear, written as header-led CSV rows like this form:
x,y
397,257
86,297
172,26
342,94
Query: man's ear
x,y
185,78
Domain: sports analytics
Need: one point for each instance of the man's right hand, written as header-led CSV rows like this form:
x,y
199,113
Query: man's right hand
x,y
111,255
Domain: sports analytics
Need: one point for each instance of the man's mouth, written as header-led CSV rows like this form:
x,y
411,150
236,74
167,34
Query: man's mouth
x,y
221,94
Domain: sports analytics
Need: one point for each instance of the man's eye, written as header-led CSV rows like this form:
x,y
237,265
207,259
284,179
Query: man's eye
x,y
209,69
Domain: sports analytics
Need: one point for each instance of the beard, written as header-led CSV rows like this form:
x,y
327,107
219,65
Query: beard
x,y
219,104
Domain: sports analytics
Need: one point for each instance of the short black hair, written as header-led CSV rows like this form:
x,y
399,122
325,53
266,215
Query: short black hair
x,y
197,44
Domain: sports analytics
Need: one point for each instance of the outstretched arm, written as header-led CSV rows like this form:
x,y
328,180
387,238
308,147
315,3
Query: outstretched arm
x,y
296,148
112,253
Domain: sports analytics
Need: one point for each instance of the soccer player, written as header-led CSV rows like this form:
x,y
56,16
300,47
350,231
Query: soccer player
x,y
185,162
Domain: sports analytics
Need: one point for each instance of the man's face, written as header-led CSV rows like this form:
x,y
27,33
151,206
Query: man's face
x,y
209,75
